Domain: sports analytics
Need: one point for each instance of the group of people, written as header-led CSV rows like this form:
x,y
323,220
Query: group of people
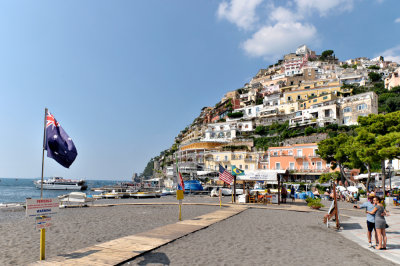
x,y
375,221
284,194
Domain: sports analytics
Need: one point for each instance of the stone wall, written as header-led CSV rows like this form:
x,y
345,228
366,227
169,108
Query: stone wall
x,y
314,138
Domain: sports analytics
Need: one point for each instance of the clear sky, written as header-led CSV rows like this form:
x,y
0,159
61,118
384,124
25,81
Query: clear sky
x,y
124,77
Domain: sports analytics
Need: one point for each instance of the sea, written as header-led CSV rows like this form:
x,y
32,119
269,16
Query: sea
x,y
16,190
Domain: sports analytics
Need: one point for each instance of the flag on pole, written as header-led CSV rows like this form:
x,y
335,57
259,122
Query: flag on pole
x,y
237,171
225,175
181,185
58,144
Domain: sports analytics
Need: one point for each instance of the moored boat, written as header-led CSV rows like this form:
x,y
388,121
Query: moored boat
x,y
59,183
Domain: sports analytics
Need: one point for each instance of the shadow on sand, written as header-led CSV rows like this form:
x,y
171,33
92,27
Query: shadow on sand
x,y
351,226
153,258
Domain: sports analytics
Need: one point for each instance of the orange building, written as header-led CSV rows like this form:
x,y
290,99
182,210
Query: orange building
x,y
299,159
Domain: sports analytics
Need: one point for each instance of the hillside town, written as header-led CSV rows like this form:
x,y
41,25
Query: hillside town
x,y
276,120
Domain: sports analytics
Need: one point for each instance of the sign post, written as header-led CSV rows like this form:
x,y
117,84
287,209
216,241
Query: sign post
x,y
179,197
40,208
220,198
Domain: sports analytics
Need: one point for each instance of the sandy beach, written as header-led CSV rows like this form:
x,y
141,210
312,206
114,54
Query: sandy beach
x,y
256,236
77,228
263,237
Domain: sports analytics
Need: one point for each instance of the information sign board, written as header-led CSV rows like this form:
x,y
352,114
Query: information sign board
x,y
179,195
43,222
41,207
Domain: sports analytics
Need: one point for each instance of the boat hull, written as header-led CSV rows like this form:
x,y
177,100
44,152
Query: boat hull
x,y
61,187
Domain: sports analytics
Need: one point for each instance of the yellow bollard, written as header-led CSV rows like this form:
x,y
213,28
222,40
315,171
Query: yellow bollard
x,y
220,199
42,243
180,212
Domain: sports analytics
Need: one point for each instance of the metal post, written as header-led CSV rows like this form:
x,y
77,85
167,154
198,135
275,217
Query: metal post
x,y
43,231
44,147
42,243
279,189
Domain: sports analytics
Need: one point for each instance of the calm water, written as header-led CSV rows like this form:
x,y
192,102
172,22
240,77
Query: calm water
x,y
17,190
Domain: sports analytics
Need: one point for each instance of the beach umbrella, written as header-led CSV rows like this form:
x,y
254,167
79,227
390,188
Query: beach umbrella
x,y
352,189
341,188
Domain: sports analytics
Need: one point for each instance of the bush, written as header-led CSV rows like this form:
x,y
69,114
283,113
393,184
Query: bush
x,y
315,203
235,115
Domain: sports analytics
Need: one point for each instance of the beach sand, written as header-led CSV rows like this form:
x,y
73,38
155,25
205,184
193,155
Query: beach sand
x,y
256,236
77,228
263,237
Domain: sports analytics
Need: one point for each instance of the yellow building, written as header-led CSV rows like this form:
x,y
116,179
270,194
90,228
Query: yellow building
x,y
244,160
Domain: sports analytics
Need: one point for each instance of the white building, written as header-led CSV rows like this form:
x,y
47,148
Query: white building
x,y
350,108
226,131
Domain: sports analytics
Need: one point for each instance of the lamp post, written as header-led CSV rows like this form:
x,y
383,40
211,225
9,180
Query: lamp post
x,y
389,171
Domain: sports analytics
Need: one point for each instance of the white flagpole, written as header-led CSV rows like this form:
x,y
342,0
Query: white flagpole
x,y
44,145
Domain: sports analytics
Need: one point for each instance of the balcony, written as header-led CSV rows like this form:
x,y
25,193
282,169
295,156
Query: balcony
x,y
249,160
299,157
314,156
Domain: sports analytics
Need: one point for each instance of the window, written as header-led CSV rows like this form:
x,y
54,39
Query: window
x,y
328,113
217,158
291,166
249,111
290,152
233,157
240,157
315,152
325,97
226,158
347,110
299,152
246,167
305,165
315,100
277,166
240,166
362,106
319,165
346,120
298,97
226,167
289,98
275,153
246,126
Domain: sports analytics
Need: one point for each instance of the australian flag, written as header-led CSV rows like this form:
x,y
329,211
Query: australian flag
x,y
58,144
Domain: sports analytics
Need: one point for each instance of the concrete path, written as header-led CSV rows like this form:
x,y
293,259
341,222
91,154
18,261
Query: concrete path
x,y
123,249
355,229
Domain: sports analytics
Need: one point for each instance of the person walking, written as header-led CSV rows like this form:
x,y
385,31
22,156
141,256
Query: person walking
x,y
369,206
380,222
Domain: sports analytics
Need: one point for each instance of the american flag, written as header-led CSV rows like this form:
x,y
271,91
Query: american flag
x,y
225,175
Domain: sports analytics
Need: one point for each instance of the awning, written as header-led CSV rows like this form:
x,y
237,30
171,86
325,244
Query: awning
x,y
261,175
362,176
200,173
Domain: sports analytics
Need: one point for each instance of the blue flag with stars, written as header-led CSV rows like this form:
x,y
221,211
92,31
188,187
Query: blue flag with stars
x,y
58,144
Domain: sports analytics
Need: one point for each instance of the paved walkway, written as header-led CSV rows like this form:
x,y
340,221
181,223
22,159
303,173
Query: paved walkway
x,y
126,248
355,229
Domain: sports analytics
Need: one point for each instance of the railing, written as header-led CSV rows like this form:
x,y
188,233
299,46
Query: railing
x,y
249,160
299,157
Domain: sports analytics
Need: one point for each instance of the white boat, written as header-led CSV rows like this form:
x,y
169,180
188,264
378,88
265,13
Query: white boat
x,y
59,183
79,198
168,191
145,194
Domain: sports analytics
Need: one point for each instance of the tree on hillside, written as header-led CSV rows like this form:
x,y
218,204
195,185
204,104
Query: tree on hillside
x,y
327,54
374,77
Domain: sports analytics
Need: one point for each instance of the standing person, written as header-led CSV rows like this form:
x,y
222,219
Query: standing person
x,y
369,206
380,222
284,194
292,193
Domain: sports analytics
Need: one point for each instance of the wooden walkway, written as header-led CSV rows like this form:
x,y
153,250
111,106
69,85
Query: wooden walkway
x,y
120,250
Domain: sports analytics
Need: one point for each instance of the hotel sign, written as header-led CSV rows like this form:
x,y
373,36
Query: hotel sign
x,y
41,207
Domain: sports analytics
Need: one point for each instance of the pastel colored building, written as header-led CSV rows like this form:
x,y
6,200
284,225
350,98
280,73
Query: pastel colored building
x,y
301,160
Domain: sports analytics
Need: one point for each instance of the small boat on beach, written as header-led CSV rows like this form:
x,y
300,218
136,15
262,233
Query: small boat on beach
x,y
59,183
168,191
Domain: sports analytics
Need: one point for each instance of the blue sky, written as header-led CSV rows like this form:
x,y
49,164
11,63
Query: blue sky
x,y
124,77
